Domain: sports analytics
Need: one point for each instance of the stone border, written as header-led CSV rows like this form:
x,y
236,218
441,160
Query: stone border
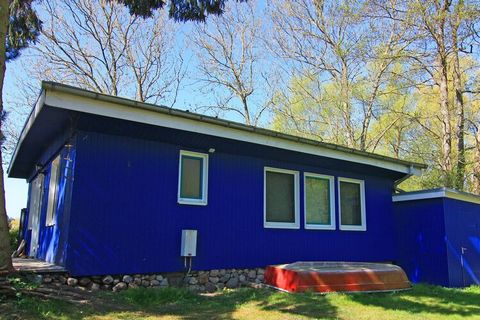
x,y
197,281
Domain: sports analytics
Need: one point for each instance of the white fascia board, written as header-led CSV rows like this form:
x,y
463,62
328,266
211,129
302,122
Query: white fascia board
x,y
28,124
440,193
90,105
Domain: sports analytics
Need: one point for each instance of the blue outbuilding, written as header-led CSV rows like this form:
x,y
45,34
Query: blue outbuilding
x,y
123,187
439,236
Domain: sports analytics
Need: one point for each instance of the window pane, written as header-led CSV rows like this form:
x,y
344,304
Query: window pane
x,y
350,203
317,200
280,197
53,190
191,180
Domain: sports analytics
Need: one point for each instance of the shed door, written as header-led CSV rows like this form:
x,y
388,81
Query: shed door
x,y
35,206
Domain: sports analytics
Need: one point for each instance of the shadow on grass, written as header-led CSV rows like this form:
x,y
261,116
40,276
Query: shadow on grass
x,y
305,304
140,303
426,299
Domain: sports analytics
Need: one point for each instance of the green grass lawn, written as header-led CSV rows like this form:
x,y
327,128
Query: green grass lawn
x,y
422,302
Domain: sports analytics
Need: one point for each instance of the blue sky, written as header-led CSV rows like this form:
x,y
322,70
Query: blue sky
x,y
16,190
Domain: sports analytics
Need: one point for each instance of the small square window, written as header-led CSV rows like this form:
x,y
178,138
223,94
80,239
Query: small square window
x,y
319,201
193,178
281,207
352,204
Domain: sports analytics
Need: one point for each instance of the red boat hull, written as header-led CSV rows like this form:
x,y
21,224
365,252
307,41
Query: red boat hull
x,y
336,277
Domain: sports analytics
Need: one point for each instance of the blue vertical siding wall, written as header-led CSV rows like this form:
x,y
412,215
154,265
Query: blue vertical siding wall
x,y
125,217
462,220
432,233
53,239
26,231
420,230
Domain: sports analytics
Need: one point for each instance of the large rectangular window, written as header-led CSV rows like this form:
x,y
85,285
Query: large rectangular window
x,y
281,207
319,201
53,191
193,178
352,204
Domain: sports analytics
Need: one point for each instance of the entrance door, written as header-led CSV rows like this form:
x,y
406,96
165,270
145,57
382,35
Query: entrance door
x,y
36,195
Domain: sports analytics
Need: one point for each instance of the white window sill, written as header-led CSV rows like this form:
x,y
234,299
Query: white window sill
x,y
273,225
320,227
353,228
192,202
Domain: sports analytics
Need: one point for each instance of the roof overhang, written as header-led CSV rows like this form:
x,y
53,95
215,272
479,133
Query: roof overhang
x,y
55,95
435,194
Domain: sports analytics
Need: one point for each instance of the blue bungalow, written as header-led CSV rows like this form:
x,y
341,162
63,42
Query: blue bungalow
x,y
114,182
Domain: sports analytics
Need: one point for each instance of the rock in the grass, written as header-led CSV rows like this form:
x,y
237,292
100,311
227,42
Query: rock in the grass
x,y
119,286
193,281
252,274
232,283
154,283
210,287
220,286
72,282
137,281
132,285
115,281
107,280
164,282
214,273
260,271
214,279
242,278
260,277
84,282
159,277
145,283
127,279
94,286
105,287
62,279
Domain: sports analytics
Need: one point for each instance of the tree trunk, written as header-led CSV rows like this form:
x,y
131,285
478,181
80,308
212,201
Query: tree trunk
x,y
446,122
458,102
248,120
442,69
346,107
5,258
476,164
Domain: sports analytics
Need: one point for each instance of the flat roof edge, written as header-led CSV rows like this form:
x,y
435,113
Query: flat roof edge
x,y
436,193
410,167
26,127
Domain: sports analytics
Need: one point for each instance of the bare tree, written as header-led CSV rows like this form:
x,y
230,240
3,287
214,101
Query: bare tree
x,y
338,45
230,61
99,46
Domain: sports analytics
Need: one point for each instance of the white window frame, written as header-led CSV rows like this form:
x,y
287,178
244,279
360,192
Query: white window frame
x,y
31,200
52,201
282,225
204,200
331,179
363,226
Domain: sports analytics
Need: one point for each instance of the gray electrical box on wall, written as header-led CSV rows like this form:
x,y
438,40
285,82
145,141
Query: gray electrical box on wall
x,y
189,243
